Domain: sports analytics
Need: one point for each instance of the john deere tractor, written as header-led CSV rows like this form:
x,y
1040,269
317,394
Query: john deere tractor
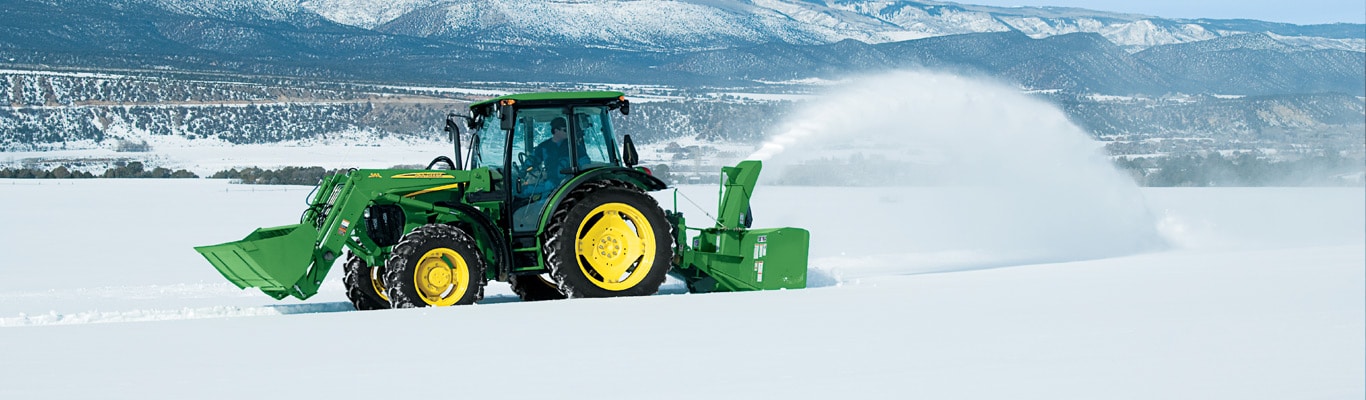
x,y
543,200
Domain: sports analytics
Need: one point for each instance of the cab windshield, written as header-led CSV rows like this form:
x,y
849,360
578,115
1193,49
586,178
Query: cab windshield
x,y
589,130
546,147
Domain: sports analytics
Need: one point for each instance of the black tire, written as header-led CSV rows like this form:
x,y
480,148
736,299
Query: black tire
x,y
364,285
535,288
624,227
435,265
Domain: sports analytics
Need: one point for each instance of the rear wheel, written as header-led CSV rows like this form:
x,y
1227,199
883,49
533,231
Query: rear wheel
x,y
535,287
435,265
609,241
364,284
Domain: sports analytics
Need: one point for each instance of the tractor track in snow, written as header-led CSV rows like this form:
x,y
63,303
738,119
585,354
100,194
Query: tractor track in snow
x,y
120,297
195,301
143,307
146,315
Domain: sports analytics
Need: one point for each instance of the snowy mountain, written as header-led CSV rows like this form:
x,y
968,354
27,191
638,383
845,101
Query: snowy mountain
x,y
690,25
1258,63
667,41
257,11
680,25
761,46
1249,64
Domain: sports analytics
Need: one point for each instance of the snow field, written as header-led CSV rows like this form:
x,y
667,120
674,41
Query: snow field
x,y
1017,264
1259,297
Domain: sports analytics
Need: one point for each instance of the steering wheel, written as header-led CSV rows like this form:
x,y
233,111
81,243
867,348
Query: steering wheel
x,y
523,170
442,159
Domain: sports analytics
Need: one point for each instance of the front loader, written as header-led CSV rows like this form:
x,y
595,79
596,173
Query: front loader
x,y
544,201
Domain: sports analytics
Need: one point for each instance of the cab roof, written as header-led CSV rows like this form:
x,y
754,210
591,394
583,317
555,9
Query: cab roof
x,y
554,97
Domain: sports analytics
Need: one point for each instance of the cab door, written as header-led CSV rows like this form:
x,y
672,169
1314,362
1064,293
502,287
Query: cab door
x,y
592,129
534,182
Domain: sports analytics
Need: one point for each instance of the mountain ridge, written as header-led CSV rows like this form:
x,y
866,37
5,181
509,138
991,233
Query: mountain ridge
x,y
766,40
796,22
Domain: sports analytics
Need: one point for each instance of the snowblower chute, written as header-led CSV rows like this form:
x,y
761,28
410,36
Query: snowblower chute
x,y
544,202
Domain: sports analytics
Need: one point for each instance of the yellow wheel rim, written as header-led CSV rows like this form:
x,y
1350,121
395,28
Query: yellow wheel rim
x,y
441,277
377,282
615,246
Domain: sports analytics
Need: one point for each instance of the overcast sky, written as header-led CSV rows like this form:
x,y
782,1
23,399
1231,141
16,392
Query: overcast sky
x,y
1295,12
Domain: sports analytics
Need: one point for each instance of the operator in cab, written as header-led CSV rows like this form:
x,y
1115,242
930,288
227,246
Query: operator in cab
x,y
547,168
551,160
553,153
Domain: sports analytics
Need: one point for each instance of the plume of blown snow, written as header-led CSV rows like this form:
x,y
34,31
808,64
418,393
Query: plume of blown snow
x,y
961,165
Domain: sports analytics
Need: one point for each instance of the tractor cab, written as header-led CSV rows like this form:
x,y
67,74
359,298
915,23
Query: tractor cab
x,y
537,143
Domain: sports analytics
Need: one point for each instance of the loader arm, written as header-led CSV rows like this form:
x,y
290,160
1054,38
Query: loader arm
x,y
292,260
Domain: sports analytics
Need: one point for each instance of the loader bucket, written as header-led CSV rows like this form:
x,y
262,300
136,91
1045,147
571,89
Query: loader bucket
x,y
273,259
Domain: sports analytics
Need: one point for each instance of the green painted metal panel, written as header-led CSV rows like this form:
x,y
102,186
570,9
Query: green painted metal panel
x,y
272,259
758,259
777,257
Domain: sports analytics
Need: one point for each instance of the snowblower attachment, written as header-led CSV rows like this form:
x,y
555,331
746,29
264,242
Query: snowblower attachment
x,y
273,259
732,257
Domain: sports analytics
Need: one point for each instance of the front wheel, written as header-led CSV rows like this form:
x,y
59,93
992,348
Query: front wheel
x,y
434,265
609,241
364,284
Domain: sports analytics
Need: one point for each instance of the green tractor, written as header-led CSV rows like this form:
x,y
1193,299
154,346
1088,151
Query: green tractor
x,y
544,201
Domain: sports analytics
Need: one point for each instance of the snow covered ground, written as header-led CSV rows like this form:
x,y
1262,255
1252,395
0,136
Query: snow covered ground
x,y
1033,270
207,156
918,293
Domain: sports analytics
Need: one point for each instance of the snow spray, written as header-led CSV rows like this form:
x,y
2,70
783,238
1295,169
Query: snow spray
x,y
959,165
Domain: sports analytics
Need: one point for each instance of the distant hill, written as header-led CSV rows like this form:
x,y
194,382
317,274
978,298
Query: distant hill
x,y
681,42
679,25
1259,64
87,72
51,110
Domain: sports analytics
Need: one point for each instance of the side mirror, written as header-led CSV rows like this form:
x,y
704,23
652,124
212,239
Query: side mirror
x,y
452,127
628,152
625,107
508,117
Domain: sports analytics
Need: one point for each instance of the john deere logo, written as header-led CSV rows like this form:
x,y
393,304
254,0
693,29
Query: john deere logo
x,y
424,175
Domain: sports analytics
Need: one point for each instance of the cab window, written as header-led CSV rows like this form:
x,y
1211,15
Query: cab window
x,y
595,130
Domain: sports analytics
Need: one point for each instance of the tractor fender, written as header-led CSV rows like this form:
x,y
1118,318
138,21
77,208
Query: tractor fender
x,y
641,180
502,252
